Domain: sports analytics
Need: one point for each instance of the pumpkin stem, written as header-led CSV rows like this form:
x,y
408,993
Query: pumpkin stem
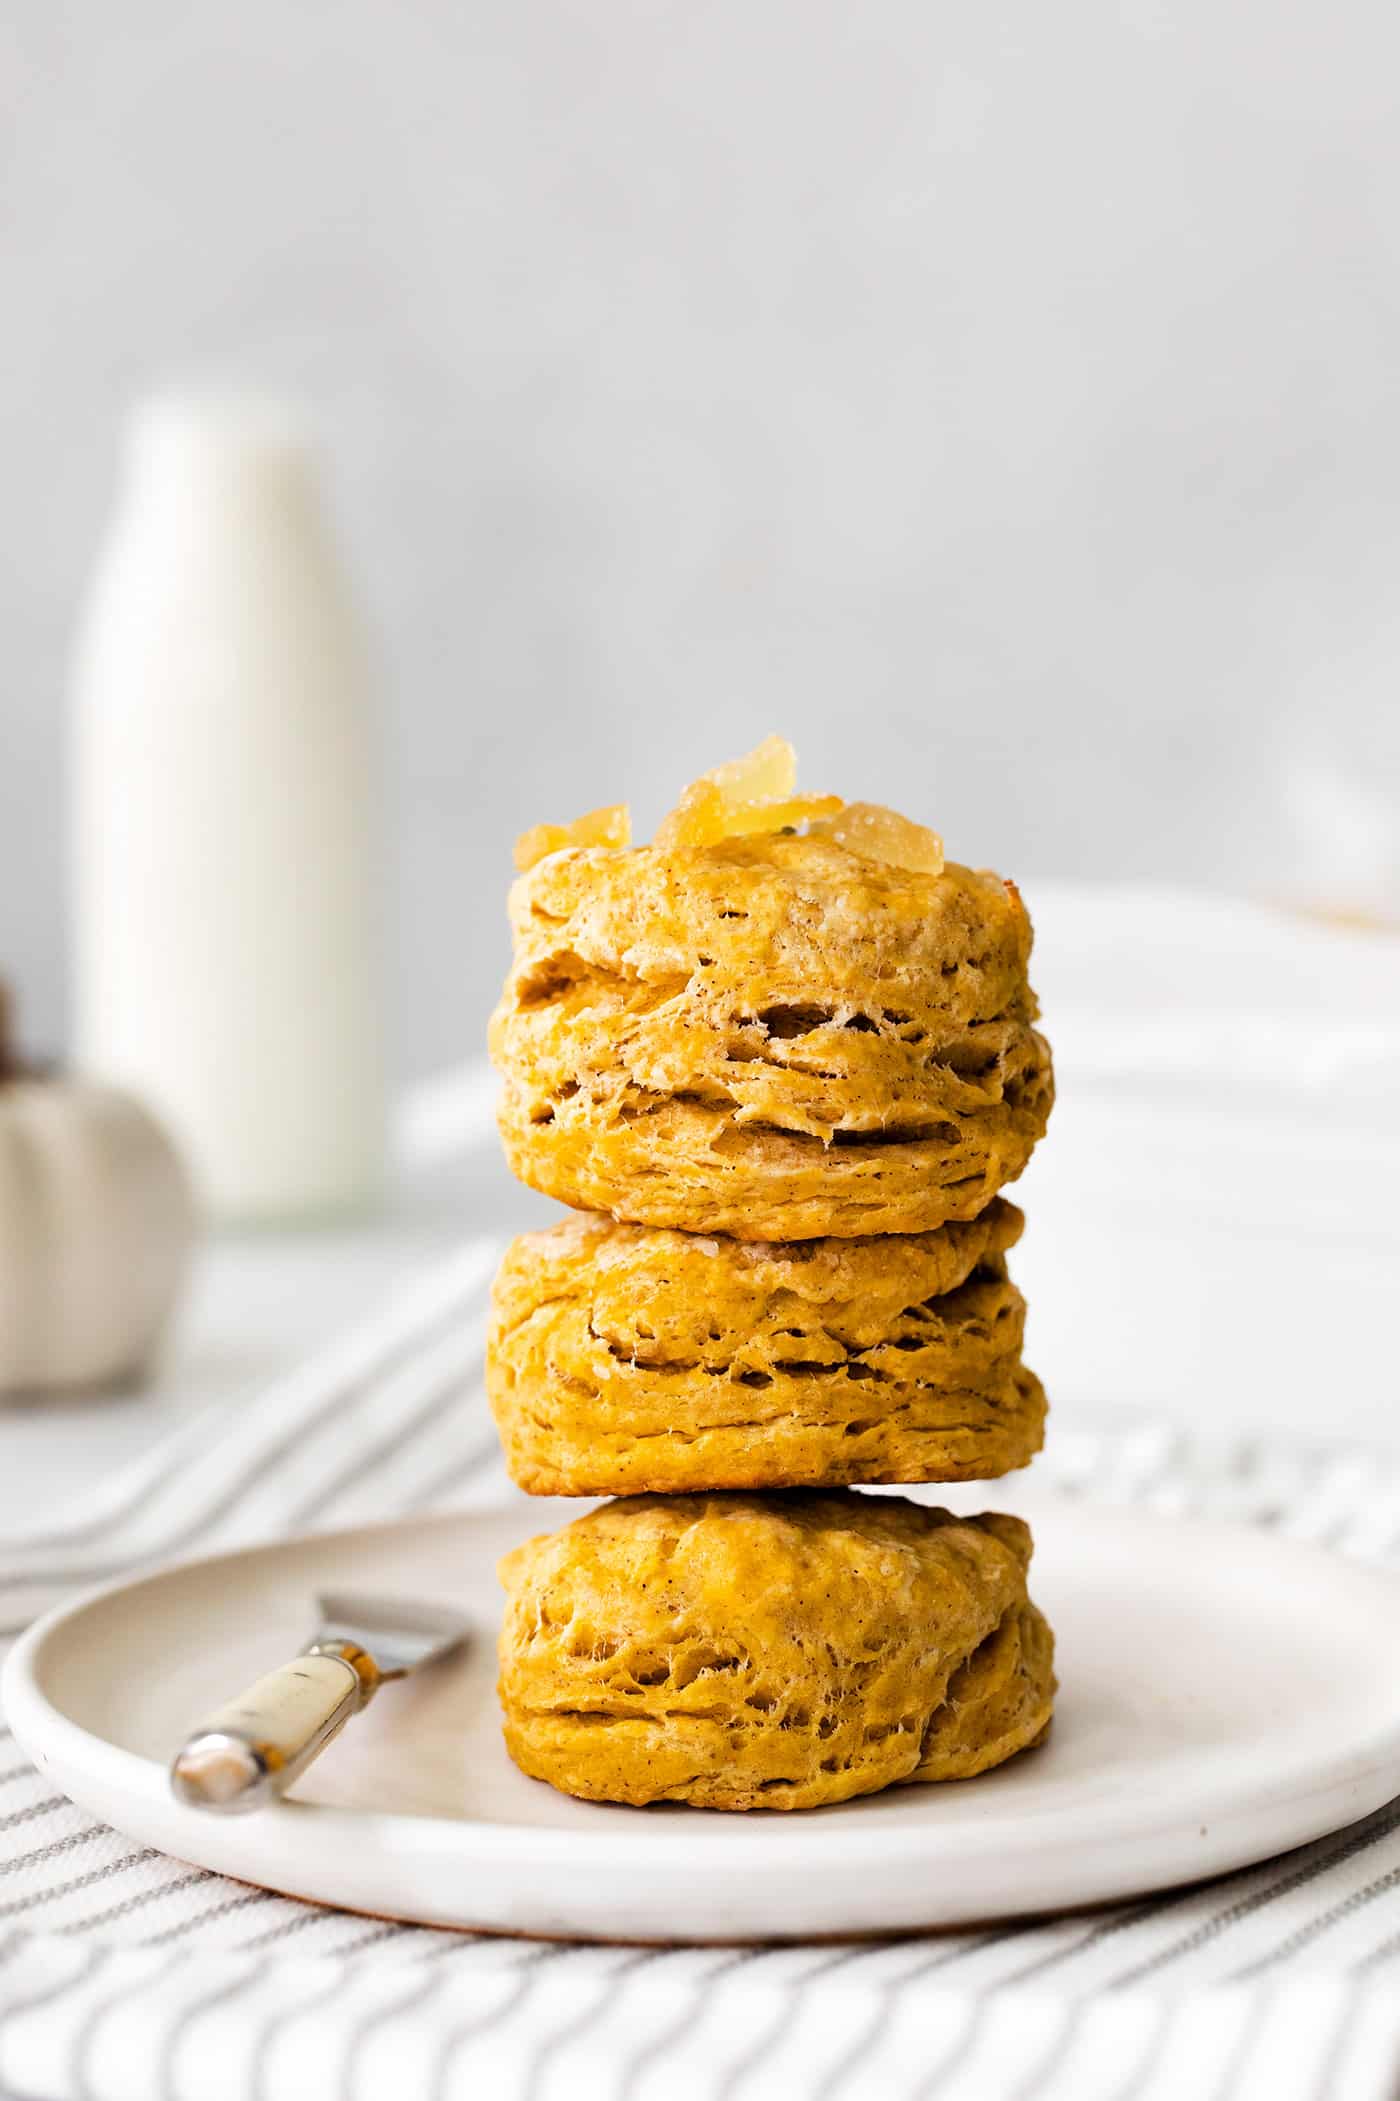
x,y
10,1067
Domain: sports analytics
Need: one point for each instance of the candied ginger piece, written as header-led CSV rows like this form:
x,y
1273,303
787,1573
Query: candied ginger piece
x,y
610,826
697,820
746,817
768,773
754,794
878,834
703,816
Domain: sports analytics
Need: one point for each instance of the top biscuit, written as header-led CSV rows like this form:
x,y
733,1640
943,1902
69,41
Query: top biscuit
x,y
807,916
774,1036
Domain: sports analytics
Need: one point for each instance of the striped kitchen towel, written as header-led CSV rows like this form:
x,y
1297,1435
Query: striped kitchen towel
x,y
126,1976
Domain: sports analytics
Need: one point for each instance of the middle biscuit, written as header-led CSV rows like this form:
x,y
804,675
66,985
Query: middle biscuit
x,y
624,1359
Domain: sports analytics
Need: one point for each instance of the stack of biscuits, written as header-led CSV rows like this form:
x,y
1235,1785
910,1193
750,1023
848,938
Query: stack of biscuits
x,y
780,1062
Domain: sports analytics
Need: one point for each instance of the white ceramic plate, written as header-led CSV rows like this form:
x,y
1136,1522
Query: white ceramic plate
x,y
1225,1695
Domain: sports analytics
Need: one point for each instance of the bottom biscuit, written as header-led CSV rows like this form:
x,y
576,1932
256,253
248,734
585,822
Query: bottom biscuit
x,y
777,1651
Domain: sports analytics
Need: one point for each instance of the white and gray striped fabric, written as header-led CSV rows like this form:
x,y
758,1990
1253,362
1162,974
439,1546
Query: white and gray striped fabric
x,y
126,1976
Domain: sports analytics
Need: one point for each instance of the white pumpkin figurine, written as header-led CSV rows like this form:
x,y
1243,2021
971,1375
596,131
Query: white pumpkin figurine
x,y
96,1228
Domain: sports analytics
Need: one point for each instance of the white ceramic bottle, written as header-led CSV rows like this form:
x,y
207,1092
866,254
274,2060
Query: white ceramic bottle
x,y
224,881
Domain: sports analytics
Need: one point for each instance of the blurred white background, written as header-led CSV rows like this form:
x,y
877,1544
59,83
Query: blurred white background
x,y
1000,400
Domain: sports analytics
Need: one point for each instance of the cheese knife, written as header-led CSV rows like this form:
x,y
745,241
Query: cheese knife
x,y
254,1749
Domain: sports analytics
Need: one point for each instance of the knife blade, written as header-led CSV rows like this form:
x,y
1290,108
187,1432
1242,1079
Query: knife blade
x,y
251,1751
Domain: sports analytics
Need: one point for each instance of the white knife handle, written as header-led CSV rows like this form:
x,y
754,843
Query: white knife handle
x,y
252,1750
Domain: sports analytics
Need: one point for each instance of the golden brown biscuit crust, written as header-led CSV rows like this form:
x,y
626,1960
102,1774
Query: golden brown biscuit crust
x,y
797,912
780,1651
771,1038
624,1359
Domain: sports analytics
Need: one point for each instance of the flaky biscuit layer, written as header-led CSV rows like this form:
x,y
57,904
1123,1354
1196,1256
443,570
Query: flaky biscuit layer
x,y
624,1359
